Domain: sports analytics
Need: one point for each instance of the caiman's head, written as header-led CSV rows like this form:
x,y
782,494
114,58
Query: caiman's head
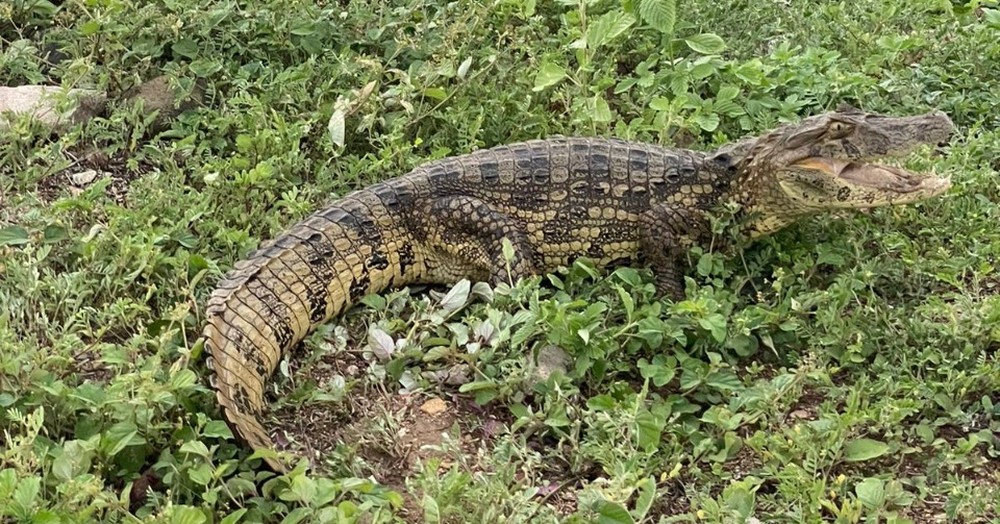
x,y
826,162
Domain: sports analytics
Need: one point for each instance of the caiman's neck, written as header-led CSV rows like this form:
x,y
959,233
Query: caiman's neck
x,y
761,202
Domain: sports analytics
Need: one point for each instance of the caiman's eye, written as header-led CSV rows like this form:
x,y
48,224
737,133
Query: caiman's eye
x,y
838,129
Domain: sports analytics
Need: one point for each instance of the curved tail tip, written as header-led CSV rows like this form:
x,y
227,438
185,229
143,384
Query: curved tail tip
x,y
248,428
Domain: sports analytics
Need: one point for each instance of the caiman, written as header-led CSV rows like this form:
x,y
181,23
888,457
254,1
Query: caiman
x,y
554,200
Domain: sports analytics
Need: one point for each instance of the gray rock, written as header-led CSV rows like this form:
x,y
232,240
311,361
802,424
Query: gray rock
x,y
51,105
157,96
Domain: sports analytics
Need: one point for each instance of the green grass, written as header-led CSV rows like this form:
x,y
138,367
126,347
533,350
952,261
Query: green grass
x,y
843,370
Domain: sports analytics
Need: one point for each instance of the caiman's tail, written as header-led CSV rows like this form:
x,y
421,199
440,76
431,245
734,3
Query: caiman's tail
x,y
271,300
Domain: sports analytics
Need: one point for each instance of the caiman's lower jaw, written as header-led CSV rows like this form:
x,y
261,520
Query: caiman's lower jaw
x,y
891,178
895,184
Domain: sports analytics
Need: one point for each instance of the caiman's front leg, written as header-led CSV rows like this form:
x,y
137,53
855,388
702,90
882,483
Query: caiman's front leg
x,y
667,233
473,232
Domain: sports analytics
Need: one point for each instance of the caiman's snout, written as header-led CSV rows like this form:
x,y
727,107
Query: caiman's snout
x,y
934,129
839,169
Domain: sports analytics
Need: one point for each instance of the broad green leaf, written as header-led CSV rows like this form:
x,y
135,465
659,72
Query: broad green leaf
x,y
303,489
485,396
204,67
548,75
13,236
483,291
217,429
507,249
557,418
992,17
627,301
184,378
750,72
118,436
53,234
660,14
602,113
864,449
662,370
613,513
196,447
523,333
601,403
435,93
63,466
708,122
646,498
702,71
649,427
201,474
727,107
8,482
727,92
477,385
679,85
871,492
660,104
706,43
296,515
431,511
716,324
90,27
185,47
705,264
45,517
608,27
304,30
724,379
187,515
234,517
311,44
26,493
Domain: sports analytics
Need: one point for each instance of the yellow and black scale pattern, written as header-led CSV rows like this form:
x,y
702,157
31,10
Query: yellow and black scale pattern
x,y
555,200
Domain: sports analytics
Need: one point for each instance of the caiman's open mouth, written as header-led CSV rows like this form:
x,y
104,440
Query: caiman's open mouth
x,y
877,176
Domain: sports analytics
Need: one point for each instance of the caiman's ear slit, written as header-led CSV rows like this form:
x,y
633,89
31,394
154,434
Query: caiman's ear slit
x,y
723,160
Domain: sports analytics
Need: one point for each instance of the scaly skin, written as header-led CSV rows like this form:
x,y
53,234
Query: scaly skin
x,y
555,200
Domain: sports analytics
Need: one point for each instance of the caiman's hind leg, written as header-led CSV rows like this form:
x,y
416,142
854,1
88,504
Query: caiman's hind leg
x,y
665,238
470,230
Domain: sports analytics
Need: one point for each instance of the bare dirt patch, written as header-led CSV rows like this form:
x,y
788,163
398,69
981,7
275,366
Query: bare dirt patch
x,y
674,502
89,168
807,406
745,463
389,434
